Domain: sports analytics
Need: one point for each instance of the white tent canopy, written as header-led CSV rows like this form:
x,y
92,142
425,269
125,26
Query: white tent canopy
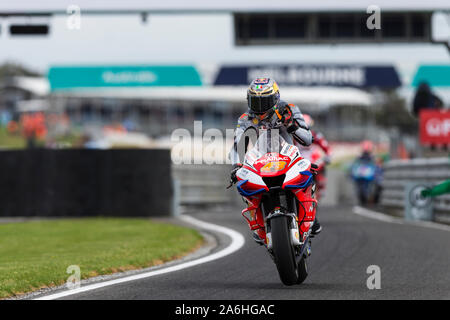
x,y
32,105
318,96
38,86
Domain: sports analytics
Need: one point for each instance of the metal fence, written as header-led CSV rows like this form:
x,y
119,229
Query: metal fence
x,y
203,184
206,184
397,173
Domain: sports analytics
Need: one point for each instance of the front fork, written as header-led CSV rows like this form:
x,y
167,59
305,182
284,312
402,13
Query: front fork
x,y
300,243
293,227
261,224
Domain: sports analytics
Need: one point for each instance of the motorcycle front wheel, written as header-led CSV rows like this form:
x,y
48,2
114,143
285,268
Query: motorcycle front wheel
x,y
283,251
302,270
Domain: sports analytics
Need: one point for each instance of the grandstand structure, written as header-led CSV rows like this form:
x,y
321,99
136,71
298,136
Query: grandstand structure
x,y
165,64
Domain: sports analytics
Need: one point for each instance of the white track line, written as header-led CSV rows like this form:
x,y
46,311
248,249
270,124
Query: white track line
x,y
237,241
386,218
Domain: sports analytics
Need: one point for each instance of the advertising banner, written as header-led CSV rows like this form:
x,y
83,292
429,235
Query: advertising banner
x,y
68,77
433,75
313,75
435,127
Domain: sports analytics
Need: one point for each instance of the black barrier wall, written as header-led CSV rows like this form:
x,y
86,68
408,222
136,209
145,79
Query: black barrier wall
x,y
85,182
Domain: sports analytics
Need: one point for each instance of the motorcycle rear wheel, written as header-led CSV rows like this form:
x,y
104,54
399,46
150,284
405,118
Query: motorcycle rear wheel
x,y
283,251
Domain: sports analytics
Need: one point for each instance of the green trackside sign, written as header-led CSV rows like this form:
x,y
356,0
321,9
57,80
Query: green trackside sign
x,y
434,75
79,77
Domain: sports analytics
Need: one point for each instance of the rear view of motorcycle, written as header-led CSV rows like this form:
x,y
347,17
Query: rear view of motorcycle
x,y
363,174
277,184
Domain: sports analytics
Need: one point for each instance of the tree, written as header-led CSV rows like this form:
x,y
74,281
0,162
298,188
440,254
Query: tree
x,y
393,113
10,69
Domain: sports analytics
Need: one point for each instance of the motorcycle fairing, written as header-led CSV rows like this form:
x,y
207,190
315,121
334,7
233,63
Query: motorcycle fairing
x,y
249,182
363,171
275,160
305,178
246,190
298,174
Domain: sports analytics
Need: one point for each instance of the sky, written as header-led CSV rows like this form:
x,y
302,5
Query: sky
x,y
199,39
229,5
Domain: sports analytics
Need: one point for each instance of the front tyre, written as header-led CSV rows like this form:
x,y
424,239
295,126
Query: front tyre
x,y
283,251
302,270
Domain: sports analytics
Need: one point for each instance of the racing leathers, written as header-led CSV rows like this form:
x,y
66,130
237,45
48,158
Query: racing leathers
x,y
293,129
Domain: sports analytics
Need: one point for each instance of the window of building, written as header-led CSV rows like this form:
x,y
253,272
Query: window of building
x,y
419,26
258,27
290,27
350,27
393,25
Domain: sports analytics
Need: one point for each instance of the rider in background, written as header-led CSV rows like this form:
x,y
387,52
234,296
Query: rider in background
x,y
318,153
318,139
364,172
266,109
367,150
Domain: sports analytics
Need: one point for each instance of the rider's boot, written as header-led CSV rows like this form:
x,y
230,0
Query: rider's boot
x,y
258,239
316,228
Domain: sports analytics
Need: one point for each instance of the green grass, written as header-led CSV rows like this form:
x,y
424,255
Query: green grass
x,y
36,254
10,141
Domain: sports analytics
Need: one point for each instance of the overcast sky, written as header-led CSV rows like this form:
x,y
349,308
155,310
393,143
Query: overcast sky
x,y
229,5
186,39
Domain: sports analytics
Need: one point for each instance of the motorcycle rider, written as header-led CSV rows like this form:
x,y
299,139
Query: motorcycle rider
x,y
366,151
318,139
363,183
265,109
311,153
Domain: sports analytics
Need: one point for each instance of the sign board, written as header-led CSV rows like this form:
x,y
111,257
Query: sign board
x,y
64,78
433,75
313,75
434,127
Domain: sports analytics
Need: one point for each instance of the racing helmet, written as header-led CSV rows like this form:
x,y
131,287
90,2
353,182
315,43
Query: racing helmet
x,y
367,146
262,95
309,120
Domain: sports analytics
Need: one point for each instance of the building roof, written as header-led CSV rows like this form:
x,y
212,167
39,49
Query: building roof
x,y
38,86
136,6
321,97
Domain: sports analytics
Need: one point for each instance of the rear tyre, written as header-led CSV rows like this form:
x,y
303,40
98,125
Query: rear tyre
x,y
283,251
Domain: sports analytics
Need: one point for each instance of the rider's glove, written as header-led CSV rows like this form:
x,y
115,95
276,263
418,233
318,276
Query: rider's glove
x,y
233,178
314,168
288,121
291,128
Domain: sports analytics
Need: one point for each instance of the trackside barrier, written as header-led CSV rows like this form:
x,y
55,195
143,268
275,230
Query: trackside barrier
x,y
398,173
86,182
206,185
202,184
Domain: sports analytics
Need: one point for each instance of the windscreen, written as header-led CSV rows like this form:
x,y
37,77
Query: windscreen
x,y
269,141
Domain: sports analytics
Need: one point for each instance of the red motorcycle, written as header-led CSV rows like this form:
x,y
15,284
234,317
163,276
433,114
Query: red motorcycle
x,y
277,184
317,157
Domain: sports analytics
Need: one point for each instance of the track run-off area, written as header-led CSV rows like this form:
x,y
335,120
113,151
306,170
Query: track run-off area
x,y
413,259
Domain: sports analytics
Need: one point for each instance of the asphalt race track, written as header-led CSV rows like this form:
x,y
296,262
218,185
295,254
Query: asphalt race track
x,y
414,263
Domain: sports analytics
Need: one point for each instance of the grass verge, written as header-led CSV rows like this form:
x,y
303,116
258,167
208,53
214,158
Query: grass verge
x,y
9,141
35,255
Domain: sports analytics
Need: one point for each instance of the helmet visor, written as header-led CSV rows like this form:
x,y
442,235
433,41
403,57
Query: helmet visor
x,y
261,104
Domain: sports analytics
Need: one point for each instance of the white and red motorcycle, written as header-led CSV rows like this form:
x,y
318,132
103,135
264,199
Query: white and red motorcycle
x,y
277,184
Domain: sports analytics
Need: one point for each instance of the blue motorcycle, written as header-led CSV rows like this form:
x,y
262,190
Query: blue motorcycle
x,y
364,174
